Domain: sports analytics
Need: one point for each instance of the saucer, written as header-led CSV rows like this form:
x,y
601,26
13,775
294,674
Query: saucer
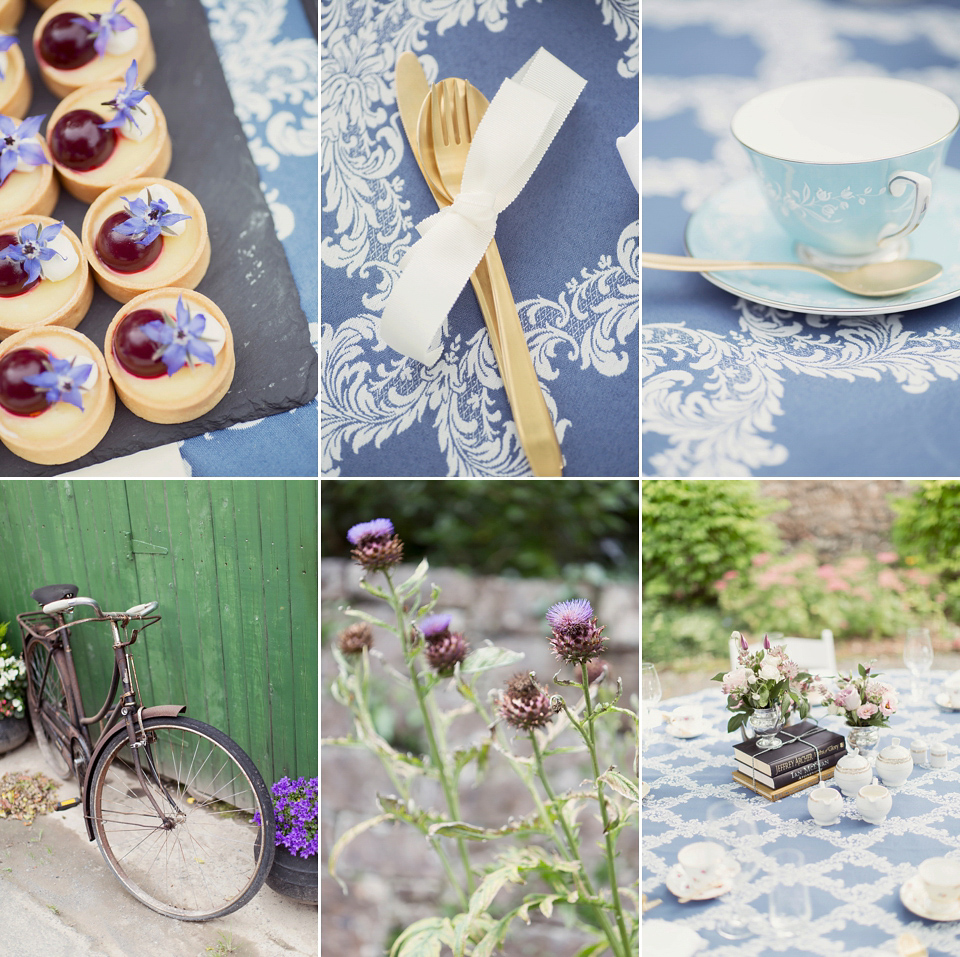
x,y
943,700
736,223
678,886
914,898
677,733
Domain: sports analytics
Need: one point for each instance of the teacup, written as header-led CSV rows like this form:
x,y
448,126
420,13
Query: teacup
x,y
941,882
687,719
847,164
703,865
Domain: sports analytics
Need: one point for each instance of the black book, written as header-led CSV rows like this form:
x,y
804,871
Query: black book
x,y
792,754
793,774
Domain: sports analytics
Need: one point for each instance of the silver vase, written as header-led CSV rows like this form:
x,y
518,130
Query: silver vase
x,y
766,722
865,740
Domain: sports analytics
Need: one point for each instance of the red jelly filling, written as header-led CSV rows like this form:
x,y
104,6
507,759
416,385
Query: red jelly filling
x,y
17,396
124,253
13,277
134,349
79,143
65,44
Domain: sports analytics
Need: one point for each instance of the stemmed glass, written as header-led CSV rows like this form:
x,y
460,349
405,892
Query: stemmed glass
x,y
918,657
650,693
732,824
790,909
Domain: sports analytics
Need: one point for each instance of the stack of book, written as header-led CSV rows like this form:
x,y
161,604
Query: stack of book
x,y
794,766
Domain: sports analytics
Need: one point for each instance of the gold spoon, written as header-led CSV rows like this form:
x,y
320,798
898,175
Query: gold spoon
x,y
449,117
875,279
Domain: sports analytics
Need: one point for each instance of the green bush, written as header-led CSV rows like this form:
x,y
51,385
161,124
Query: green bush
x,y
671,632
530,529
694,531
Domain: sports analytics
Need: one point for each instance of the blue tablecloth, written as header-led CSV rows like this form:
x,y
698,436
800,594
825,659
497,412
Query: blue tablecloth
x,y
569,244
854,870
269,58
729,387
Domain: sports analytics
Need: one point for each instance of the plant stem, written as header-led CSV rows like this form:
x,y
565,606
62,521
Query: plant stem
x,y
574,848
590,739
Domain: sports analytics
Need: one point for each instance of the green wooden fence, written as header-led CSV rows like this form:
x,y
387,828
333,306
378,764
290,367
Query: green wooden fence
x,y
234,567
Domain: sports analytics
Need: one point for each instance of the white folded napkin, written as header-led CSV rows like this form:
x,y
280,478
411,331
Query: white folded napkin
x,y
664,938
162,462
629,147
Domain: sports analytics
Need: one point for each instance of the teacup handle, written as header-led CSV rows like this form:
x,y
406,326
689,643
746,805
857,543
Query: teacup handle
x,y
897,186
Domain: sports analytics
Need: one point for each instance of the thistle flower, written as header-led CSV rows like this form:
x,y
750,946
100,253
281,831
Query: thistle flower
x,y
435,626
445,651
375,546
354,638
524,704
576,636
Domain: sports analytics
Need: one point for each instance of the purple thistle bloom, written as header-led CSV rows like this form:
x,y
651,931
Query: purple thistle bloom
x,y
102,26
435,626
524,704
5,44
19,143
375,546
126,101
379,528
32,250
566,614
62,382
181,340
576,637
147,220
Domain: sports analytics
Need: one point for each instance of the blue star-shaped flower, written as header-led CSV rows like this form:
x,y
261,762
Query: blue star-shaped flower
x,y
181,341
63,382
5,44
126,101
32,250
20,143
148,219
103,26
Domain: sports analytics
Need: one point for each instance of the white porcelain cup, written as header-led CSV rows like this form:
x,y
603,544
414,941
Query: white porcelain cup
x,y
703,865
687,719
848,164
941,882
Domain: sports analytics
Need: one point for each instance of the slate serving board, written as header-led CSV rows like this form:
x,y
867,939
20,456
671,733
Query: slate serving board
x,y
249,276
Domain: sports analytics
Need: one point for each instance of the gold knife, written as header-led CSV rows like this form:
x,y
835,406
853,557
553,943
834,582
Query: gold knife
x,y
531,416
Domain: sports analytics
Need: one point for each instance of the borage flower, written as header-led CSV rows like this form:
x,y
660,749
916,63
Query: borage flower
x,y
181,340
5,44
103,27
147,220
34,248
19,146
524,704
63,382
576,636
375,546
126,101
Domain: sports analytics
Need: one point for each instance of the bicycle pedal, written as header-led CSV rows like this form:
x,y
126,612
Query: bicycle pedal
x,y
69,803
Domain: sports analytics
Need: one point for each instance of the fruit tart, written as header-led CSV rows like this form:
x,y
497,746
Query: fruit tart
x,y
27,183
100,135
44,277
79,42
56,399
11,12
144,234
15,87
170,355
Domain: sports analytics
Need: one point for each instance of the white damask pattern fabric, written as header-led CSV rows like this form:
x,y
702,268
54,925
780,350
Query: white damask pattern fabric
x,y
854,869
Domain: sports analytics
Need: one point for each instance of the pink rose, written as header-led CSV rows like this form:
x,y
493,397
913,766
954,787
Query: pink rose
x,y
848,698
866,711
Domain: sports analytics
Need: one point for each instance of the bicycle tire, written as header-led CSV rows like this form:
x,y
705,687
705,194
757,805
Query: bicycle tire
x,y
208,858
55,700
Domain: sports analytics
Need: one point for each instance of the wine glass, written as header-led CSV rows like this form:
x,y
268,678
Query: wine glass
x,y
732,825
650,693
789,902
918,657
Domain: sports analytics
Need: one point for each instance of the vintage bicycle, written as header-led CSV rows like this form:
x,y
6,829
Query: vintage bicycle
x,y
179,811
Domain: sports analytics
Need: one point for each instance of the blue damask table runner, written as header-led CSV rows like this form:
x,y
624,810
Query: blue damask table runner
x,y
729,385
569,243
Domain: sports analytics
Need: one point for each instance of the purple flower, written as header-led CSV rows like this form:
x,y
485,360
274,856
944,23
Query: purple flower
x,y
32,250
295,805
576,637
376,547
566,614
435,626
5,44
379,528
62,382
147,220
445,651
766,643
181,340
524,704
19,144
102,26
126,101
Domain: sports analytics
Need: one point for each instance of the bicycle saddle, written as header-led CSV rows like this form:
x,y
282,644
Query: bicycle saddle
x,y
49,593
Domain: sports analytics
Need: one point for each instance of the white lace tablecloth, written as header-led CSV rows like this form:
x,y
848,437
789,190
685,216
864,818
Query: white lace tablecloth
x,y
854,870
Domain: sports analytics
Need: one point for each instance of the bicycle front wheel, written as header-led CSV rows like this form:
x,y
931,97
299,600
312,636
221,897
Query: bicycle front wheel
x,y
208,850
50,710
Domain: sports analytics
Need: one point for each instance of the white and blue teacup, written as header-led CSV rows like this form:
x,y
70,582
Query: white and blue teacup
x,y
847,164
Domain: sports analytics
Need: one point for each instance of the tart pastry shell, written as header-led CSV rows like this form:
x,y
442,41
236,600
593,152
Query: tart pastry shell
x,y
16,90
66,312
200,388
191,264
11,12
130,159
74,432
35,192
111,66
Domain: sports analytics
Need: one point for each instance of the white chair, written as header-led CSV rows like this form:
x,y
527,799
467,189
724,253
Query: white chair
x,y
814,655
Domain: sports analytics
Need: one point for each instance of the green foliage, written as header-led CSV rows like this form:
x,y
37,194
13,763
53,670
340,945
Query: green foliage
x,y
529,529
694,531
671,632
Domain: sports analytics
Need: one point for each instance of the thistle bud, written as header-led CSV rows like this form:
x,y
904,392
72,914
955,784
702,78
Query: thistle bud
x,y
597,670
355,638
576,636
446,651
524,704
375,546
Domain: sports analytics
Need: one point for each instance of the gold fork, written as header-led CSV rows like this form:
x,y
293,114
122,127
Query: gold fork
x,y
448,120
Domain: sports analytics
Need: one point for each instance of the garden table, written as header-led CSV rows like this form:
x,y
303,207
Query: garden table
x,y
785,376
853,870
569,244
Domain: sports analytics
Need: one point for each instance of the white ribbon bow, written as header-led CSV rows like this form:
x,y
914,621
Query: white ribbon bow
x,y
510,141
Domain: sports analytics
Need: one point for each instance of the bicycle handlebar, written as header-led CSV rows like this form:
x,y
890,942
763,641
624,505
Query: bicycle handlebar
x,y
66,604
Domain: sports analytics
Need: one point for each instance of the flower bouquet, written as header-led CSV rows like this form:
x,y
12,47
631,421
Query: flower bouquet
x,y
760,683
13,681
865,704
